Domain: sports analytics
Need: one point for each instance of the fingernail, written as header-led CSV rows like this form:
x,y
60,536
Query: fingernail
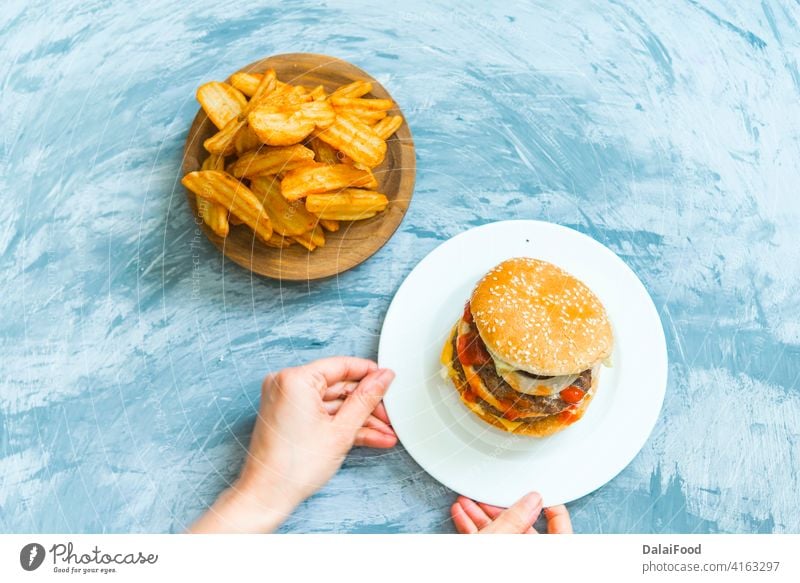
x,y
533,499
379,382
385,375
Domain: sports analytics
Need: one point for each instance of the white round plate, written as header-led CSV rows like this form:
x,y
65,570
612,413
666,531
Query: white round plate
x,y
476,459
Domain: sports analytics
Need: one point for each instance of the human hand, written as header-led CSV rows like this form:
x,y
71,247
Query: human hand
x,y
310,417
472,517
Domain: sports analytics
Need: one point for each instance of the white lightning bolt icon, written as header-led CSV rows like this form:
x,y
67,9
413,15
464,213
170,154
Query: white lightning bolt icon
x,y
34,552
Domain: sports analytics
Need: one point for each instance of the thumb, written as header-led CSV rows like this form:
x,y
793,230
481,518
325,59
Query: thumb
x,y
360,404
518,518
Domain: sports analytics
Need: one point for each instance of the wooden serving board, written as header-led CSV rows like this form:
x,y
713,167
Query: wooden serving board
x,y
355,241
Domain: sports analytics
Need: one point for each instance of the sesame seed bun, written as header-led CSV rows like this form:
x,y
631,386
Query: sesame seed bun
x,y
538,318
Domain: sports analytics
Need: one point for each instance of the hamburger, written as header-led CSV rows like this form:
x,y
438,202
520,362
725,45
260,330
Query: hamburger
x,y
526,353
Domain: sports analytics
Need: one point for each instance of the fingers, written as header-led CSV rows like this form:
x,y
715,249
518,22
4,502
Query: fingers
x,y
342,368
336,394
518,518
558,521
495,511
360,404
339,390
461,520
372,422
476,514
492,511
369,437
332,407
380,413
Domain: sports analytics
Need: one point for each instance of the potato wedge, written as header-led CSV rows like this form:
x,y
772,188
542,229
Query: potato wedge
x,y
318,93
271,161
281,114
311,239
289,218
222,143
340,102
354,89
388,126
279,242
225,190
355,139
354,215
247,83
246,140
221,102
214,215
367,116
351,204
267,86
323,153
307,244
329,225
280,126
285,95
213,162
289,123
320,112
307,180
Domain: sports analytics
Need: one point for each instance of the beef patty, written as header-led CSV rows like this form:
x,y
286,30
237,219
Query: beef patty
x,y
528,405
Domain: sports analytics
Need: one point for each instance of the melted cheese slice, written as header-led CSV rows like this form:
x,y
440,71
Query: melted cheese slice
x,y
477,409
524,383
474,381
509,425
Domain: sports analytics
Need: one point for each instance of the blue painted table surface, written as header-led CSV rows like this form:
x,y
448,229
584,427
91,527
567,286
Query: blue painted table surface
x,y
132,354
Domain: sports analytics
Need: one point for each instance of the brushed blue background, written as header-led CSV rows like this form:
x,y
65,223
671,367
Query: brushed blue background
x,y
132,353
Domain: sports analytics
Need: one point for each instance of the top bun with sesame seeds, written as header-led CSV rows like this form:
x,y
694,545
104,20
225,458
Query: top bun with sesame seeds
x,y
538,318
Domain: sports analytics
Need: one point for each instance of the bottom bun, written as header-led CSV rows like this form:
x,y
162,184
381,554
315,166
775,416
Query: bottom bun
x,y
538,427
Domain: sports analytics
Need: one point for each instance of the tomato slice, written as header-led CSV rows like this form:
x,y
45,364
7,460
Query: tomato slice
x,y
471,350
572,394
568,416
467,317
